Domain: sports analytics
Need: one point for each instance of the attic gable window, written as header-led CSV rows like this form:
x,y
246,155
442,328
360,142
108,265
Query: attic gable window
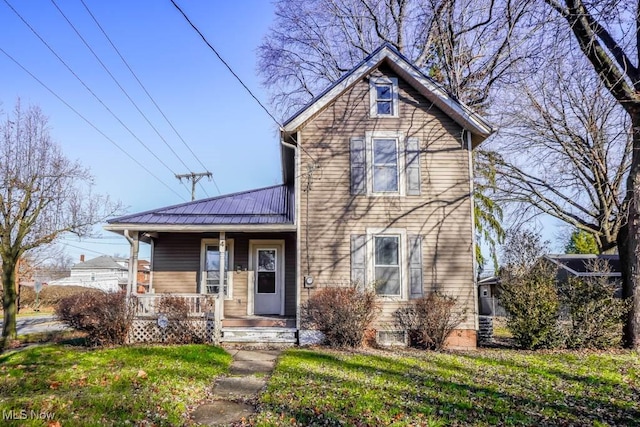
x,y
384,96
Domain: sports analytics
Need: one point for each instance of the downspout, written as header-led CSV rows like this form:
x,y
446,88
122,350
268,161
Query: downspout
x,y
466,137
296,221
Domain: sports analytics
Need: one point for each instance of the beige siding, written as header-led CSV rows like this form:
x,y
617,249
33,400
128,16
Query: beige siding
x,y
441,214
176,266
176,261
237,306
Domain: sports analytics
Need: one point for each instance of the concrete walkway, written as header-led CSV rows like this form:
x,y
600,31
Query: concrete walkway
x,y
235,395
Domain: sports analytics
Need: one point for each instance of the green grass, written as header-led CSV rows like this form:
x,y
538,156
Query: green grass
x,y
483,388
147,385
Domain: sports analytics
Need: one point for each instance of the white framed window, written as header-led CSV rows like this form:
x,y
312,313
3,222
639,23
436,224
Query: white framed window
x,y
384,155
210,267
384,166
387,262
383,94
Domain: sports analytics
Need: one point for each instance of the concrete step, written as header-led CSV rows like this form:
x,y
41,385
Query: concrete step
x,y
259,335
259,321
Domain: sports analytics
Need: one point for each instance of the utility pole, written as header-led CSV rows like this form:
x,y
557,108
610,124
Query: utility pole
x,y
194,178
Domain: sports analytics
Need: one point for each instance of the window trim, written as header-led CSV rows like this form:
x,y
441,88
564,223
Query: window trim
x,y
403,262
400,147
373,96
229,253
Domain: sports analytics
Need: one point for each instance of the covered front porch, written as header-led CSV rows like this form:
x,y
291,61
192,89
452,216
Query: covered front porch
x,y
231,259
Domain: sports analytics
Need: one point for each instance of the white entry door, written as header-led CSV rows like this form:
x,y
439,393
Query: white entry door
x,y
268,263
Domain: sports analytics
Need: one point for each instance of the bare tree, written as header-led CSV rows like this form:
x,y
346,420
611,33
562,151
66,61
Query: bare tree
x,y
43,194
466,45
607,34
565,151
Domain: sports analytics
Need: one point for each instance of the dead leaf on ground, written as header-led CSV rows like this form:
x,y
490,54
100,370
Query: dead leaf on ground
x,y
142,374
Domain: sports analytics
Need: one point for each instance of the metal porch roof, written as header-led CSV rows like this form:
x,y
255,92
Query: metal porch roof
x,y
270,205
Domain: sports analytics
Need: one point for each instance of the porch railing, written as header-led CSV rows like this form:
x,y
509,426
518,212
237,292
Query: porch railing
x,y
154,304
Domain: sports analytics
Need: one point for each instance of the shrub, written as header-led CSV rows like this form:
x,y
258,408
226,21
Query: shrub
x,y
104,316
342,314
596,316
532,304
430,320
180,328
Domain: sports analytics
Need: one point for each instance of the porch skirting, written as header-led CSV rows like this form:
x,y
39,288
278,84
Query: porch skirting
x,y
192,329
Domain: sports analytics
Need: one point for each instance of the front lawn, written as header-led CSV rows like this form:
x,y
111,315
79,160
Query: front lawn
x,y
150,385
484,388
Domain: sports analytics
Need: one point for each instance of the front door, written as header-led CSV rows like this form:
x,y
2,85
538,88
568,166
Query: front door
x,y
268,290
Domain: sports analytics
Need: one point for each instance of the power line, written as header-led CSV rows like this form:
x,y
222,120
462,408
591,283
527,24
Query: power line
x,y
225,63
106,69
87,87
89,122
135,76
276,121
84,249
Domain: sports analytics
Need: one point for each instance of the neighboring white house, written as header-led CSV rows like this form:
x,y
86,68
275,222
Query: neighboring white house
x,y
104,272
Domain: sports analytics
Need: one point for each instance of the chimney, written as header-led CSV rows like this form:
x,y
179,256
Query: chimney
x,y
82,258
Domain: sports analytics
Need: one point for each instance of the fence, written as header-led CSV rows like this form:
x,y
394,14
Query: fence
x,y
198,304
154,320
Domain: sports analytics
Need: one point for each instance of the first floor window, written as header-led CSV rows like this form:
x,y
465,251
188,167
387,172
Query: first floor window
x,y
211,267
387,265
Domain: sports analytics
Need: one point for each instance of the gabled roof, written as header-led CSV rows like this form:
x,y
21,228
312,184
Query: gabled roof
x,y
435,93
101,262
270,205
579,264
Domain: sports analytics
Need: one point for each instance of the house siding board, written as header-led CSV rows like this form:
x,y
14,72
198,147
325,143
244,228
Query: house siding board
x,y
176,265
441,214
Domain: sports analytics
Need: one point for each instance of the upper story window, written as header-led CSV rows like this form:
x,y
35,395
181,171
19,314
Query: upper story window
x,y
384,97
385,165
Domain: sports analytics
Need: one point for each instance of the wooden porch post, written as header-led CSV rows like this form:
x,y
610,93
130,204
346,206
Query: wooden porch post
x,y
132,280
219,312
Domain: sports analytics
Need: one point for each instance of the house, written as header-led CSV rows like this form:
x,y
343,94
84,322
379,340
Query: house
x,y
377,185
567,266
581,265
489,297
105,272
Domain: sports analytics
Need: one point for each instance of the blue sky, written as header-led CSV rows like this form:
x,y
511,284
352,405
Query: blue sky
x,y
227,130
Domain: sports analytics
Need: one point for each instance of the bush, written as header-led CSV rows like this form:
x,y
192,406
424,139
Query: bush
x,y
532,304
430,320
105,317
342,314
180,329
596,316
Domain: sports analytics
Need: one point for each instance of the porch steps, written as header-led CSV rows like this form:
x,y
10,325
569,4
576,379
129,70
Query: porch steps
x,y
259,335
258,322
